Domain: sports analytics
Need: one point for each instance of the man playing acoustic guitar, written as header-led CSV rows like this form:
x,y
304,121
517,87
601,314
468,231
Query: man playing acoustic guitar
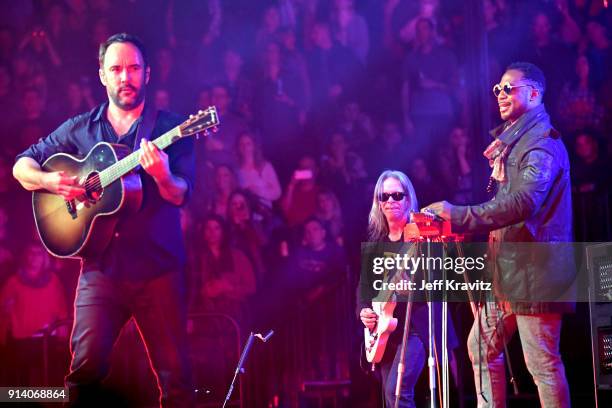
x,y
140,273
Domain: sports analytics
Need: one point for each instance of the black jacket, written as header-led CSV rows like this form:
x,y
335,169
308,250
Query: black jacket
x,y
533,206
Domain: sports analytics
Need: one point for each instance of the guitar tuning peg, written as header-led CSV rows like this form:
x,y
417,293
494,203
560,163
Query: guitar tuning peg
x,y
215,129
190,116
200,112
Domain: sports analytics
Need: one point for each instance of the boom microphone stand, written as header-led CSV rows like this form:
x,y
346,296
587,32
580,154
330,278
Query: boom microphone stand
x,y
242,360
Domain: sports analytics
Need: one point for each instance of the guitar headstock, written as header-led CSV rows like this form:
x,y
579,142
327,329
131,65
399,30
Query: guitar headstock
x,y
200,122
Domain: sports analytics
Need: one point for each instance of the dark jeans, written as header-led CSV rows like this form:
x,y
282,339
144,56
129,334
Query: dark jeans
x,y
415,361
102,307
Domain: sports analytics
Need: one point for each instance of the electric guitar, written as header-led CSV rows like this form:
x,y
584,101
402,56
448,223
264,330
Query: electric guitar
x,y
84,226
375,340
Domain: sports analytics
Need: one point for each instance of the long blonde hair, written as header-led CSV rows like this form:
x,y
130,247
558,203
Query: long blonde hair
x,y
378,228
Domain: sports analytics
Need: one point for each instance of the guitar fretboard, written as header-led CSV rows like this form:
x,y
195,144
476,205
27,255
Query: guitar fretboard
x,y
130,162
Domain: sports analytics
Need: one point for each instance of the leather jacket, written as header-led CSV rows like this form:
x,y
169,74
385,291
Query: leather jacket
x,y
533,205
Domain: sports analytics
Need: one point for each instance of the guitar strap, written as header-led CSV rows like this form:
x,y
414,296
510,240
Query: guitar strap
x,y
146,126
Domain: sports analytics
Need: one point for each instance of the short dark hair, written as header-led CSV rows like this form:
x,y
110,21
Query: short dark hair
x,y
531,73
122,38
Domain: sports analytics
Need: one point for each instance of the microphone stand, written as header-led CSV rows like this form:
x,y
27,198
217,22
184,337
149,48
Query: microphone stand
x,y
429,228
401,367
243,357
445,373
430,317
431,365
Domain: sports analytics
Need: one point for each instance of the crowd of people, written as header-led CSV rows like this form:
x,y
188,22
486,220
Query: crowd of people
x,y
315,100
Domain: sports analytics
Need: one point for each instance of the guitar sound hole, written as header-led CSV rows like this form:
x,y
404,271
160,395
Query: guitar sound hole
x,y
93,187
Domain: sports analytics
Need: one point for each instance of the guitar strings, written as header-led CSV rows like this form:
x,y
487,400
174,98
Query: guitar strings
x,y
126,164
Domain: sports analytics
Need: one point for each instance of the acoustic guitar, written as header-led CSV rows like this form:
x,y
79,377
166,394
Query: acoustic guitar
x,y
83,227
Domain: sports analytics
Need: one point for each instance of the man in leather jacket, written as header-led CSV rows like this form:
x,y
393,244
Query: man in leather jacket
x,y
529,219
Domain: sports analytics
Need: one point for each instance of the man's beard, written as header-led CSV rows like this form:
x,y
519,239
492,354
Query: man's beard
x,y
116,98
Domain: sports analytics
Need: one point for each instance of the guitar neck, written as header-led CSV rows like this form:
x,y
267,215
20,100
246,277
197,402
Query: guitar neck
x,y
130,162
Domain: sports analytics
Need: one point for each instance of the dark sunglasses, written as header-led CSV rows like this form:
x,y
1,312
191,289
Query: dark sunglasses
x,y
507,88
397,196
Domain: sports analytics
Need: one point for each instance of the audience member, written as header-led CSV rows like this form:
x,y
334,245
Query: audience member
x,y
220,145
300,199
599,51
317,262
37,45
79,97
256,174
545,51
329,213
57,29
295,64
426,9
31,301
334,67
7,252
169,78
278,105
161,99
225,182
7,44
590,171
578,107
358,127
7,102
454,167
334,173
240,88
33,121
246,230
591,186
426,187
392,150
226,277
569,31
269,28
350,28
430,76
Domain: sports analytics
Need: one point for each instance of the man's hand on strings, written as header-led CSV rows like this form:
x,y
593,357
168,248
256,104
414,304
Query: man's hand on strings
x,y
59,182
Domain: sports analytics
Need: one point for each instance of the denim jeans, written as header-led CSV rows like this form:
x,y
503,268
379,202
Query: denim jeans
x,y
102,307
539,335
415,361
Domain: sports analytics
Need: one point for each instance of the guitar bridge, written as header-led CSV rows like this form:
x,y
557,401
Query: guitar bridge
x,y
71,207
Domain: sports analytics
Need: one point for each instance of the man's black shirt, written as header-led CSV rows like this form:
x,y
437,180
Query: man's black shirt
x,y
146,244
